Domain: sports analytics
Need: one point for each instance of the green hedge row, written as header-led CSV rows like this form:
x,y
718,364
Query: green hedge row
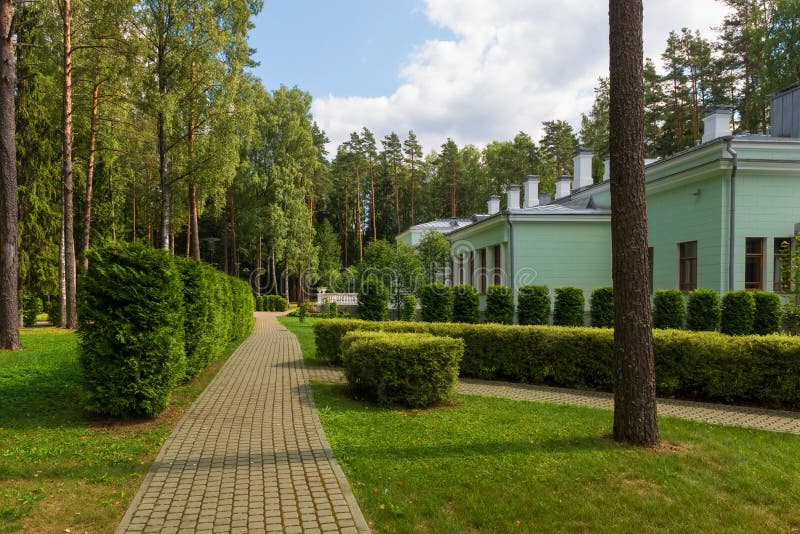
x,y
697,365
148,320
271,303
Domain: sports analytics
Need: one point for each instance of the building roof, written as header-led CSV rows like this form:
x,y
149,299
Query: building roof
x,y
445,226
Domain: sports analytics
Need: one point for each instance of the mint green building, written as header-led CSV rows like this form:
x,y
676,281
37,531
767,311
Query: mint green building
x,y
718,214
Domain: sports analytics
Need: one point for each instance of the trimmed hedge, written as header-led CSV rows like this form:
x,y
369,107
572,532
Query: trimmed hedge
x,y
602,307
568,308
737,312
533,305
271,303
437,303
415,370
31,307
408,308
702,311
499,305
768,313
373,300
466,304
668,309
696,365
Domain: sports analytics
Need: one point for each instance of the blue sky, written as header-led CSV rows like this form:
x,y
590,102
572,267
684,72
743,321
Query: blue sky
x,y
472,70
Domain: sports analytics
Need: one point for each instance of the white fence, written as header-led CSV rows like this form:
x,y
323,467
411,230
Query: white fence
x,y
341,299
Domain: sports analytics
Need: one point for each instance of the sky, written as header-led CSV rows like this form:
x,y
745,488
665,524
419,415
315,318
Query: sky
x,y
472,70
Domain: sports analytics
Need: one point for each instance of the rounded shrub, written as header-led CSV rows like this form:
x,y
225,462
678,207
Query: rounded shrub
x,y
466,304
415,370
533,305
668,309
131,330
31,307
702,310
408,308
499,305
373,300
767,318
437,303
737,311
602,307
568,308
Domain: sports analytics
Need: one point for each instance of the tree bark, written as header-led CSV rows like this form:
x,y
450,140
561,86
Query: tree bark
x,y
67,192
193,228
133,208
372,200
9,209
234,248
635,392
87,211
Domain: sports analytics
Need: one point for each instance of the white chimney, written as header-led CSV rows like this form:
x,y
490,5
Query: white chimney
x,y
607,170
513,197
582,163
563,186
717,124
531,191
494,204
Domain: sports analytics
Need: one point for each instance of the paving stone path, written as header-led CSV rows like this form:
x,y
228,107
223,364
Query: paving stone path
x,y
718,414
249,455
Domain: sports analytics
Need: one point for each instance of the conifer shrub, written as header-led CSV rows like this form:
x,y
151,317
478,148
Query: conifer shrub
x,y
373,300
602,307
437,303
31,307
668,309
533,305
499,305
737,312
767,318
702,310
568,307
466,304
415,370
131,330
242,307
408,308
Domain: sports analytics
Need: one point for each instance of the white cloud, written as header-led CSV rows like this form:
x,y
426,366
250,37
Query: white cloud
x,y
511,65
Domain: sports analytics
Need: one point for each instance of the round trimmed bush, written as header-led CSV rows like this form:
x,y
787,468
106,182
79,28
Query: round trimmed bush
x,y
533,305
767,318
131,330
499,305
602,307
466,304
737,311
568,308
408,308
31,307
437,303
668,309
702,310
415,370
373,300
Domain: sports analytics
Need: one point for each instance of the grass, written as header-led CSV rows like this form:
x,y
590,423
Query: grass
x,y
305,335
61,468
497,465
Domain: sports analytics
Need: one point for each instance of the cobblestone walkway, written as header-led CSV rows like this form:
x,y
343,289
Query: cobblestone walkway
x,y
718,414
250,454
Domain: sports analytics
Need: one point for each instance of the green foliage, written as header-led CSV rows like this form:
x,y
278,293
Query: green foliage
x,y
395,265
697,365
31,307
416,370
131,330
437,303
499,305
272,303
737,312
790,320
533,305
242,307
568,307
668,309
434,253
373,300
466,302
767,318
602,307
53,311
329,309
408,309
302,310
702,310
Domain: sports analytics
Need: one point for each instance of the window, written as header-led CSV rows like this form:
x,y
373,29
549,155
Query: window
x,y
650,256
482,272
497,266
471,267
687,266
754,263
781,256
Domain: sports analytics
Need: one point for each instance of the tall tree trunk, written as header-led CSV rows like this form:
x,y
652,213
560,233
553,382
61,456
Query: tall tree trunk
x,y
259,265
133,208
412,191
147,215
69,235
372,200
225,247
9,209
188,227
274,273
87,210
346,219
194,229
635,392
111,197
62,280
234,248
164,179
358,217
397,199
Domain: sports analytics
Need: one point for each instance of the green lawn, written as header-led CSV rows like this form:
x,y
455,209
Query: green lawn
x,y
59,466
496,465
305,335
